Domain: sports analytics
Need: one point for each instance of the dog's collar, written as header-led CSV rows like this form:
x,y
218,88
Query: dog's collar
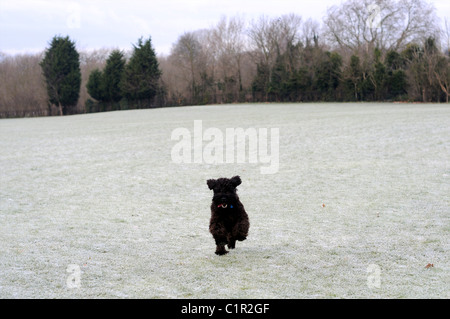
x,y
224,206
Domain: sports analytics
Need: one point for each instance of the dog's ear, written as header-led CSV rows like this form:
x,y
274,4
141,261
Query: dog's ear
x,y
236,181
211,183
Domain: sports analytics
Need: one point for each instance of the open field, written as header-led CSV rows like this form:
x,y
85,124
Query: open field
x,y
359,207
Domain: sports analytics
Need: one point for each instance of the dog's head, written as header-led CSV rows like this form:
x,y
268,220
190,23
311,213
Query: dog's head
x,y
224,191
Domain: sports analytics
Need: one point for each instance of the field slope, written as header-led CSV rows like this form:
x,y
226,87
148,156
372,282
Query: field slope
x,y
358,209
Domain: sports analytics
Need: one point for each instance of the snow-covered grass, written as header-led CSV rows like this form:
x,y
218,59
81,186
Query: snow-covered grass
x,y
359,187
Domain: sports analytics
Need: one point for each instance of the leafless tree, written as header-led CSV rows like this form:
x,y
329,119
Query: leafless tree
x,y
310,32
386,24
445,36
270,38
228,43
22,88
442,73
186,54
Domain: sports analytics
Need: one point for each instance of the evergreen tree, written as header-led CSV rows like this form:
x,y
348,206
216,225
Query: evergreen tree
x,y
396,83
95,85
394,60
105,86
205,89
297,85
112,75
277,85
378,77
261,82
300,85
353,78
328,75
61,68
140,81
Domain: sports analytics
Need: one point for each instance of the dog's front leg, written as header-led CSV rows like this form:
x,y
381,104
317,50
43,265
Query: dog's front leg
x,y
220,236
221,241
220,249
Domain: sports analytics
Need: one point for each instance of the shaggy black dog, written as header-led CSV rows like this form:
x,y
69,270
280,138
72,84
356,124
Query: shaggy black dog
x,y
229,221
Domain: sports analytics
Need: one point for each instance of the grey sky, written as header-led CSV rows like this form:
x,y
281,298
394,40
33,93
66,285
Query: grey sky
x,y
28,25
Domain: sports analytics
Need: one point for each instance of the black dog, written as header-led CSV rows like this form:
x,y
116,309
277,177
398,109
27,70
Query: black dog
x,y
229,221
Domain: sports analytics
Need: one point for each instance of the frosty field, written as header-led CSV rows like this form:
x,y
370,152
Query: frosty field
x,y
92,206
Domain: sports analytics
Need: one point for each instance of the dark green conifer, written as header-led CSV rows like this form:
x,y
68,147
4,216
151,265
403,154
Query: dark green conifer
x,y
61,68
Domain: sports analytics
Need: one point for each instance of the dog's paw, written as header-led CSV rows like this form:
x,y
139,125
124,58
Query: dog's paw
x,y
221,252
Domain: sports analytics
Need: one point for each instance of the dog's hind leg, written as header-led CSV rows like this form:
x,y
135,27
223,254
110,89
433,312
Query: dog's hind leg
x,y
240,230
231,242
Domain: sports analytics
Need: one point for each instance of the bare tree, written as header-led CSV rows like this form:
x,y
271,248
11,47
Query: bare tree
x,y
262,44
442,73
229,45
271,37
310,32
22,89
386,24
186,54
446,36
417,22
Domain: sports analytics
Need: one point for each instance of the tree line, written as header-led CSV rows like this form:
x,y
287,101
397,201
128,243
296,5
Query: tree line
x,y
390,51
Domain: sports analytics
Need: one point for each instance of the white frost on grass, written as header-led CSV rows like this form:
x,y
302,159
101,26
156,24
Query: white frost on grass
x,y
358,185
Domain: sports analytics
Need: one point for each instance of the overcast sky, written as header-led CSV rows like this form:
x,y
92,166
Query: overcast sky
x,y
28,25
